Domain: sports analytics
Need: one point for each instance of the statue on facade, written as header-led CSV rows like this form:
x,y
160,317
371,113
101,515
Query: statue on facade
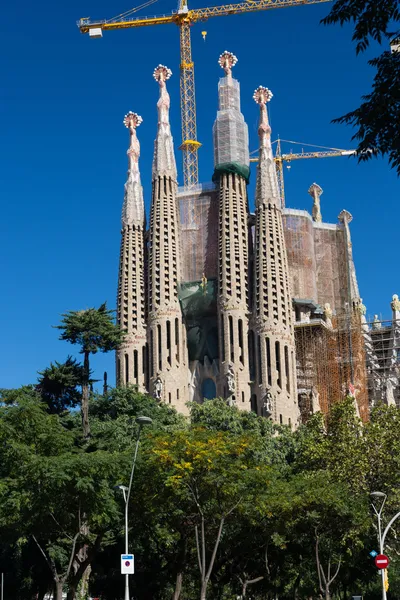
x,y
158,388
361,308
230,378
376,324
267,403
328,314
395,303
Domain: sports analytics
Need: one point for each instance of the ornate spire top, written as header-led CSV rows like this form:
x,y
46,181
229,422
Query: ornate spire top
x,y
226,61
162,73
133,207
267,183
164,159
261,96
132,121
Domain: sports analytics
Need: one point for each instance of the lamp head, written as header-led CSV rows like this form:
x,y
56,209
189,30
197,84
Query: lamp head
x,y
144,420
120,487
378,494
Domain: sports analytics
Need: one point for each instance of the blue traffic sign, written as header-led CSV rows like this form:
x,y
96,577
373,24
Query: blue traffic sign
x,y
373,553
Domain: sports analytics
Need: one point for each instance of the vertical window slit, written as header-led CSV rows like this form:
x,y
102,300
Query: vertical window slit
x,y
252,355
240,332
287,372
135,366
177,338
169,353
222,338
159,347
232,350
278,364
259,361
151,354
268,347
126,368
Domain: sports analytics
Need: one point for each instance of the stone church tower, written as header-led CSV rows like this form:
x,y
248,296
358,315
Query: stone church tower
x,y
231,162
168,362
272,340
131,357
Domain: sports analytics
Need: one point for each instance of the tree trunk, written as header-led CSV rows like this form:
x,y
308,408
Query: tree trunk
x,y
203,591
58,590
327,595
85,397
296,587
83,587
178,586
71,592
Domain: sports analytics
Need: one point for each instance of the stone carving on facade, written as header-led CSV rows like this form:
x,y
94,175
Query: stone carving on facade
x,y
395,304
390,387
314,401
267,404
328,314
158,388
230,379
360,307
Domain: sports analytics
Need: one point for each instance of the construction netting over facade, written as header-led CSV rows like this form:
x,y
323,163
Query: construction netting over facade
x,y
230,132
198,209
317,259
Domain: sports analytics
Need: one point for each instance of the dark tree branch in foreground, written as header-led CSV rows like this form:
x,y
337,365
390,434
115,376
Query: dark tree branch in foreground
x,y
376,120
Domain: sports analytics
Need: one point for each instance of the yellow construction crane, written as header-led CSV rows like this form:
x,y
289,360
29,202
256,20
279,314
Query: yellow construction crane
x,y
184,18
280,158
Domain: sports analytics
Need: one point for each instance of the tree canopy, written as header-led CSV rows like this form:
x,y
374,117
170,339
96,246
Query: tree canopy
x,y
376,119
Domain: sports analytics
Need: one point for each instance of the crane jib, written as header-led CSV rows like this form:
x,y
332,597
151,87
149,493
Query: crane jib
x,y
184,17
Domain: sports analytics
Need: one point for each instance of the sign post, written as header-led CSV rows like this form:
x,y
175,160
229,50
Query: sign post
x,y
127,564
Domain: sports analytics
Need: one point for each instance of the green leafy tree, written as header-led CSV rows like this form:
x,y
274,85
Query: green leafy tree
x,y
210,475
58,385
376,120
93,330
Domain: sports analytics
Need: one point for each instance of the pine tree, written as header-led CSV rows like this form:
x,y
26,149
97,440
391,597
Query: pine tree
x,y
93,330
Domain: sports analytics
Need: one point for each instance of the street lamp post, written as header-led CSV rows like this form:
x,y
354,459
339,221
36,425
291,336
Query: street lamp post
x,y
382,537
378,514
141,421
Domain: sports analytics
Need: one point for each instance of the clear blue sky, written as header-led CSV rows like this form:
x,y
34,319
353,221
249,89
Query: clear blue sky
x,y
63,150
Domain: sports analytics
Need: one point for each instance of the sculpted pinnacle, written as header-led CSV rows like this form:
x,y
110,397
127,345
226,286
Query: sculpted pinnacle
x,y
163,159
261,96
226,61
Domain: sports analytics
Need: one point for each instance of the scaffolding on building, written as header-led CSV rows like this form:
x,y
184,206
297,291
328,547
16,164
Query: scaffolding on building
x,y
331,363
347,356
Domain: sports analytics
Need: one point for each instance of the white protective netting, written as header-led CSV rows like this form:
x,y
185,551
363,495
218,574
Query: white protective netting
x,y
230,133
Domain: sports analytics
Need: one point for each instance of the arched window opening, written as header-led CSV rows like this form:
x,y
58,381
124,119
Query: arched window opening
x,y
208,389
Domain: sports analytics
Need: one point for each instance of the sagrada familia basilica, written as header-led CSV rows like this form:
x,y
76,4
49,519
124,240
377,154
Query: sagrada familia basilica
x,y
261,309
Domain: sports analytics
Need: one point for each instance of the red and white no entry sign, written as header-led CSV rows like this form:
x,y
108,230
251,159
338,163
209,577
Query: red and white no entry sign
x,y
381,561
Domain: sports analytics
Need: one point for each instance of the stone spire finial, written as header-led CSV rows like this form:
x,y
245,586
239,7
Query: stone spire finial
x,y
345,217
164,158
316,192
267,183
133,206
261,96
226,61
